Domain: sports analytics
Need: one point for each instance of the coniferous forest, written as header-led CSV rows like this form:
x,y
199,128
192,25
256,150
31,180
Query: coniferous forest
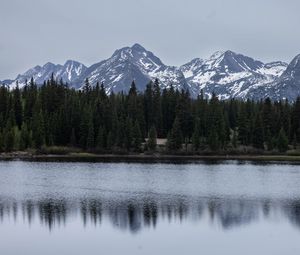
x,y
165,121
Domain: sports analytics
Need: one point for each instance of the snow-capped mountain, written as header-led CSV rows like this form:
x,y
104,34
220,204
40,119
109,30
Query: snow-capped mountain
x,y
286,86
231,75
225,73
67,72
132,63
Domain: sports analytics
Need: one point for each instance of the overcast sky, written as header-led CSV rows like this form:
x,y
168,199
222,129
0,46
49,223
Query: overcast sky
x,y
37,31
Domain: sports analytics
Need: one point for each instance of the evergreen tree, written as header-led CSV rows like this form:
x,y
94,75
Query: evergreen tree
x,y
1,142
87,87
174,140
271,143
18,106
110,141
137,136
132,102
25,139
213,140
85,125
243,127
38,130
9,140
128,135
258,133
157,110
234,139
73,140
90,142
196,135
152,139
100,141
295,141
282,141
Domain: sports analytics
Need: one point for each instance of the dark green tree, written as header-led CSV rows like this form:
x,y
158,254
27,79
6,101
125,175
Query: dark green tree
x,y
25,137
282,141
174,140
18,106
9,140
100,141
258,133
196,135
90,142
136,136
73,140
38,130
152,139
213,140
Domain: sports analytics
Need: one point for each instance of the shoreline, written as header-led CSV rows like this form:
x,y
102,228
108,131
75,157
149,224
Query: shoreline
x,y
144,158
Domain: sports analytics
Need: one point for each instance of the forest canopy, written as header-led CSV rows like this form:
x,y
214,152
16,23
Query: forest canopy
x,y
55,115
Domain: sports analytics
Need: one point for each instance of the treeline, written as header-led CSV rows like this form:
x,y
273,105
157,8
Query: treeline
x,y
89,119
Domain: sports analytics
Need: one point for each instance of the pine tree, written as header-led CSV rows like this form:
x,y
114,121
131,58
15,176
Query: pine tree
x,y
18,106
132,102
38,130
73,140
213,140
87,87
128,135
137,136
295,141
282,141
234,139
196,135
110,141
152,139
100,142
90,142
243,127
271,143
1,142
85,124
9,140
157,110
258,133
268,117
148,106
8,134
25,138
174,140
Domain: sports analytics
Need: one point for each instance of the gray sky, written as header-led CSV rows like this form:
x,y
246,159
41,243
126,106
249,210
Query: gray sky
x,y
37,31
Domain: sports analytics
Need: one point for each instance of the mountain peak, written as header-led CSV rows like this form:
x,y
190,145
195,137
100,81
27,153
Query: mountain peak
x,y
217,54
71,62
127,52
224,54
293,69
296,62
138,47
48,64
229,53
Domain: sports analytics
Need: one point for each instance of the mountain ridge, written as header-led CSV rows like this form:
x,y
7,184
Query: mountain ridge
x,y
226,73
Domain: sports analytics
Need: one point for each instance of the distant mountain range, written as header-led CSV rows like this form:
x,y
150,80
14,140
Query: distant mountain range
x,y
225,73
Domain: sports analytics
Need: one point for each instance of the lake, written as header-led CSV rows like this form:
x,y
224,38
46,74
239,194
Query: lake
x,y
128,208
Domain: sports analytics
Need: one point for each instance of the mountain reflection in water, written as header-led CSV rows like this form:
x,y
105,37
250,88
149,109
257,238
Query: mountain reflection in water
x,y
136,214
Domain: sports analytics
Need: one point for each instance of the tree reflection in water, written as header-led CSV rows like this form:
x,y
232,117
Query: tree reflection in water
x,y
137,214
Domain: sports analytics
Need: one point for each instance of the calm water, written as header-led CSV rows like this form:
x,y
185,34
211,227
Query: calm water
x,y
94,208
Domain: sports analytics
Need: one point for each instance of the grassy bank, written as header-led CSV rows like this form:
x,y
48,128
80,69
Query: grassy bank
x,y
74,155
